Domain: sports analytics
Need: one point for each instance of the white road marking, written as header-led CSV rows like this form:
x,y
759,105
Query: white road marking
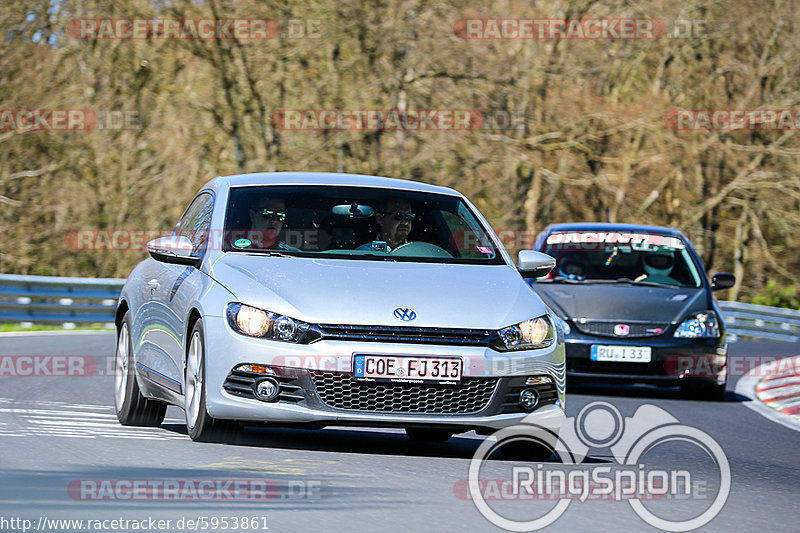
x,y
785,404
61,419
768,395
749,384
59,332
767,383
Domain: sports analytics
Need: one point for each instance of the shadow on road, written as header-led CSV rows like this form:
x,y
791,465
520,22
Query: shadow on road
x,y
355,440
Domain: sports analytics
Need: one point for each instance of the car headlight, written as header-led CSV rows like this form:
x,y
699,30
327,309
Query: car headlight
x,y
256,322
700,325
528,335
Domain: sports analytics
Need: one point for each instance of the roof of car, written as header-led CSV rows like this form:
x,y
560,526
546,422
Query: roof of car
x,y
610,226
327,178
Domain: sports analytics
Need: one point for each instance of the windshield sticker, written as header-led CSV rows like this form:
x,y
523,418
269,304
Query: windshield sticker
x,y
484,249
600,240
242,243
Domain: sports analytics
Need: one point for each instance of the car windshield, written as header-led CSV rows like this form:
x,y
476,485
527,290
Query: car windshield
x,y
365,223
621,257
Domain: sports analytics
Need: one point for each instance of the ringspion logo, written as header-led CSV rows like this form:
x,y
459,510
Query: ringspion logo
x,y
572,480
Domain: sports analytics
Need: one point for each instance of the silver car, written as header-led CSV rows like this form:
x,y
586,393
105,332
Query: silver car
x,y
315,299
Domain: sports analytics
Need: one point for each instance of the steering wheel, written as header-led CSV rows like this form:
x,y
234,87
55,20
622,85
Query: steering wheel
x,y
420,249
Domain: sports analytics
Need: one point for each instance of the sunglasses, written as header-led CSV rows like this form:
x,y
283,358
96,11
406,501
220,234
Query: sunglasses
x,y
400,217
269,213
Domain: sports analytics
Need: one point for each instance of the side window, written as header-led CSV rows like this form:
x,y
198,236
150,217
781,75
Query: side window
x,y
463,239
196,223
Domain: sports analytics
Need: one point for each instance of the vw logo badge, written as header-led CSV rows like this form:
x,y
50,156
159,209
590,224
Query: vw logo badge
x,y
621,329
405,314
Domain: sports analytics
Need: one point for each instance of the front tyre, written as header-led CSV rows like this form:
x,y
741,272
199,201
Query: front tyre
x,y
131,407
200,425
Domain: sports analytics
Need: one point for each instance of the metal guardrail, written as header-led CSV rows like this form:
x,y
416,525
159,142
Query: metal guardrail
x,y
761,321
34,299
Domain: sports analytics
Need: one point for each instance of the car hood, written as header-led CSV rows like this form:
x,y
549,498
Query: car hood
x,y
344,291
621,301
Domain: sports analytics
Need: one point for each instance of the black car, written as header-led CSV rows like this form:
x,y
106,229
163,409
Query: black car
x,y
636,306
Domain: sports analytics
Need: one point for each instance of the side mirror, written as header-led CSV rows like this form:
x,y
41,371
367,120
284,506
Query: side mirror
x,y
175,249
533,264
722,280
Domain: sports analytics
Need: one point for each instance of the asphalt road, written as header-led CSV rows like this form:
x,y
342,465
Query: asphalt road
x,y
62,447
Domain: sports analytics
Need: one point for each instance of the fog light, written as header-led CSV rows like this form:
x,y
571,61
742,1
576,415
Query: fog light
x,y
266,389
528,399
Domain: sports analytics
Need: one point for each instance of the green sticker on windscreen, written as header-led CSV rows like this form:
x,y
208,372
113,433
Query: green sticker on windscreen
x,y
242,243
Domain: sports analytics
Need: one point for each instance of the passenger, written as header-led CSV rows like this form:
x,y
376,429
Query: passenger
x,y
266,219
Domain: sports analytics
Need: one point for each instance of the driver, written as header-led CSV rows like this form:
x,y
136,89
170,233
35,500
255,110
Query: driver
x,y
395,224
266,218
657,267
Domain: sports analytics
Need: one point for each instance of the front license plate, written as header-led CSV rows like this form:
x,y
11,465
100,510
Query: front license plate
x,y
622,354
406,368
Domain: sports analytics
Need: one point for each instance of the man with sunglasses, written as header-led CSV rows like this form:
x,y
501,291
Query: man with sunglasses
x,y
267,218
395,222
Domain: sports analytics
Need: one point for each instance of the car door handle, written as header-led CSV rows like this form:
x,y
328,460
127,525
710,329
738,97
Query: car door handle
x,y
153,285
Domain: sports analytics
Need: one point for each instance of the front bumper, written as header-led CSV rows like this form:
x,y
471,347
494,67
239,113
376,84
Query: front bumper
x,y
674,360
302,369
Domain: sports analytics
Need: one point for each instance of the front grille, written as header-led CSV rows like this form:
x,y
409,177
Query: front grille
x,y
458,337
340,391
605,328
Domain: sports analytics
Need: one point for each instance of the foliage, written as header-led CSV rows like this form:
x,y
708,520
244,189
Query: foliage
x,y
591,143
778,296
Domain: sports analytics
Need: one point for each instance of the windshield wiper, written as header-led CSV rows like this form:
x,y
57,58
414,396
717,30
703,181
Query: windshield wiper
x,y
560,279
270,253
643,282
